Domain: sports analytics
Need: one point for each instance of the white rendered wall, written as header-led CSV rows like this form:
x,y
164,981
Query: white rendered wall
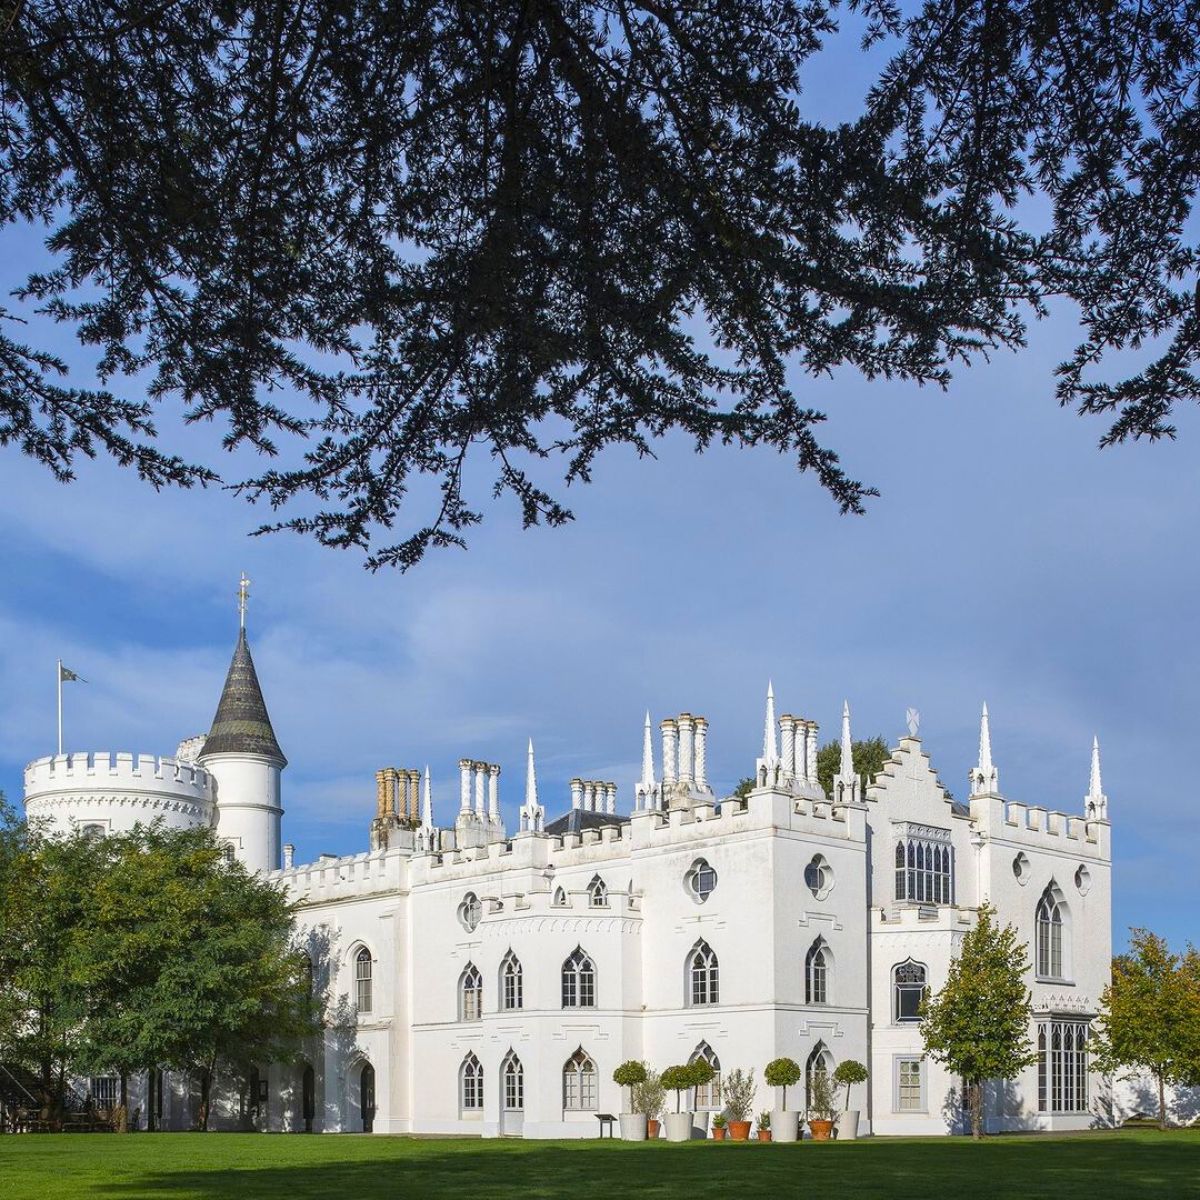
x,y
117,792
248,807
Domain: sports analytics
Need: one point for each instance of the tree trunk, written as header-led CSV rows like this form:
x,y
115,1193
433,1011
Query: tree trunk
x,y
120,1118
1162,1102
150,1098
205,1092
976,1110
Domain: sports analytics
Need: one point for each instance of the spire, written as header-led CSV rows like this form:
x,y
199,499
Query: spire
x,y
1095,791
241,724
847,788
770,735
985,778
531,798
985,744
846,766
647,754
427,801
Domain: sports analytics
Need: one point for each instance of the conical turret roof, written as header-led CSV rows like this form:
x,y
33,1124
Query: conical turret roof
x,y
242,725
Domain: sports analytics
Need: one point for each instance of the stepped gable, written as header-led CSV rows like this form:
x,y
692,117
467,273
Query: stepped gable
x,y
242,725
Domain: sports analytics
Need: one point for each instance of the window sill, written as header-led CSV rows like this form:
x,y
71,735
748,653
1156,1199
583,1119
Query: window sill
x,y
1057,980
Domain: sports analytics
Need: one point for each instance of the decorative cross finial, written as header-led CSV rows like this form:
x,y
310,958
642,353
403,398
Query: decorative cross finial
x,y
243,597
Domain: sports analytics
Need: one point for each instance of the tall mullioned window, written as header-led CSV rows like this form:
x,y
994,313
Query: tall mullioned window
x,y
1051,919
704,975
598,893
364,969
909,1091
471,994
579,1083
708,1095
816,973
1063,1066
924,870
512,991
578,981
820,1061
471,1081
513,1075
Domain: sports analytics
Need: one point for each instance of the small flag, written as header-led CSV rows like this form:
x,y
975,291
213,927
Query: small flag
x,y
65,675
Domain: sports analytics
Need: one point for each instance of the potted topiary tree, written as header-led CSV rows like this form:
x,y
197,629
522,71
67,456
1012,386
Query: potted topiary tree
x,y
783,1073
680,1079
764,1126
633,1124
648,1097
718,1127
847,1074
738,1090
822,1105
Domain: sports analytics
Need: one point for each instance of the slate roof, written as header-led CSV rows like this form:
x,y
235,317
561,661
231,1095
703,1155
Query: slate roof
x,y
579,819
242,725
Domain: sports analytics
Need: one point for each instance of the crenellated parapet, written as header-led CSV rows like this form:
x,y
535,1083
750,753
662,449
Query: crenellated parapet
x,y
117,791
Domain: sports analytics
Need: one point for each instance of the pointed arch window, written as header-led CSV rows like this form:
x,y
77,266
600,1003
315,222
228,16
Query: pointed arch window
x,y
364,970
470,994
708,1095
909,981
579,1083
513,1076
1051,927
512,983
470,1078
818,969
305,964
578,981
598,893
560,898
820,1061
704,975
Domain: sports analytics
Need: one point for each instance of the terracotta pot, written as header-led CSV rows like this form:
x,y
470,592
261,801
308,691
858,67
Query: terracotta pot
x,y
652,1128
820,1130
739,1131
764,1135
718,1133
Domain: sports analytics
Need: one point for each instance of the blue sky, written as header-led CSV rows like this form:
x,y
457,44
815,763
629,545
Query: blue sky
x,y
1007,560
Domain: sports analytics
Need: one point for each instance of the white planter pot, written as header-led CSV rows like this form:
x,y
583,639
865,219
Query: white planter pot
x,y
679,1127
847,1125
633,1127
785,1125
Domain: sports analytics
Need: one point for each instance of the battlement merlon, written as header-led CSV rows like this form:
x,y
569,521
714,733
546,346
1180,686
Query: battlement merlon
x,y
1015,823
105,771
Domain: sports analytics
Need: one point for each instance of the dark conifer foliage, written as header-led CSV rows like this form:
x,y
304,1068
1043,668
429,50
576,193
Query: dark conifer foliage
x,y
378,240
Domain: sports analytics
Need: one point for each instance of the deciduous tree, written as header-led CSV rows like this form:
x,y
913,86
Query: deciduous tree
x,y
1150,1015
978,1024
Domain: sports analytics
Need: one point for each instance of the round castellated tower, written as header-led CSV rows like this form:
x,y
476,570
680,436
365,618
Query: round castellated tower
x,y
243,757
111,793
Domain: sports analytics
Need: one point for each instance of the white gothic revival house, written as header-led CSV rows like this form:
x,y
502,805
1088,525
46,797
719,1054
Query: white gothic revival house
x,y
485,980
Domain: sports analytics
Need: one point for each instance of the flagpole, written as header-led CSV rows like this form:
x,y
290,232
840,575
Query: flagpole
x,y
58,678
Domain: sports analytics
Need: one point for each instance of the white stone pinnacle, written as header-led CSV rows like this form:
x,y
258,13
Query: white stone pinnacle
x,y
846,767
770,736
531,798
427,802
647,754
985,745
1095,791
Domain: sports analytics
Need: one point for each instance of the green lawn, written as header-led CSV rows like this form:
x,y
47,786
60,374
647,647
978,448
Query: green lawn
x,y
1092,1166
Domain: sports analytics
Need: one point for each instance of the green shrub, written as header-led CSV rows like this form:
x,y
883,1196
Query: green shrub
x,y
782,1073
849,1073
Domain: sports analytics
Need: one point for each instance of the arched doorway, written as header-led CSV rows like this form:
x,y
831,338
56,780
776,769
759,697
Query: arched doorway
x,y
366,1097
308,1097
